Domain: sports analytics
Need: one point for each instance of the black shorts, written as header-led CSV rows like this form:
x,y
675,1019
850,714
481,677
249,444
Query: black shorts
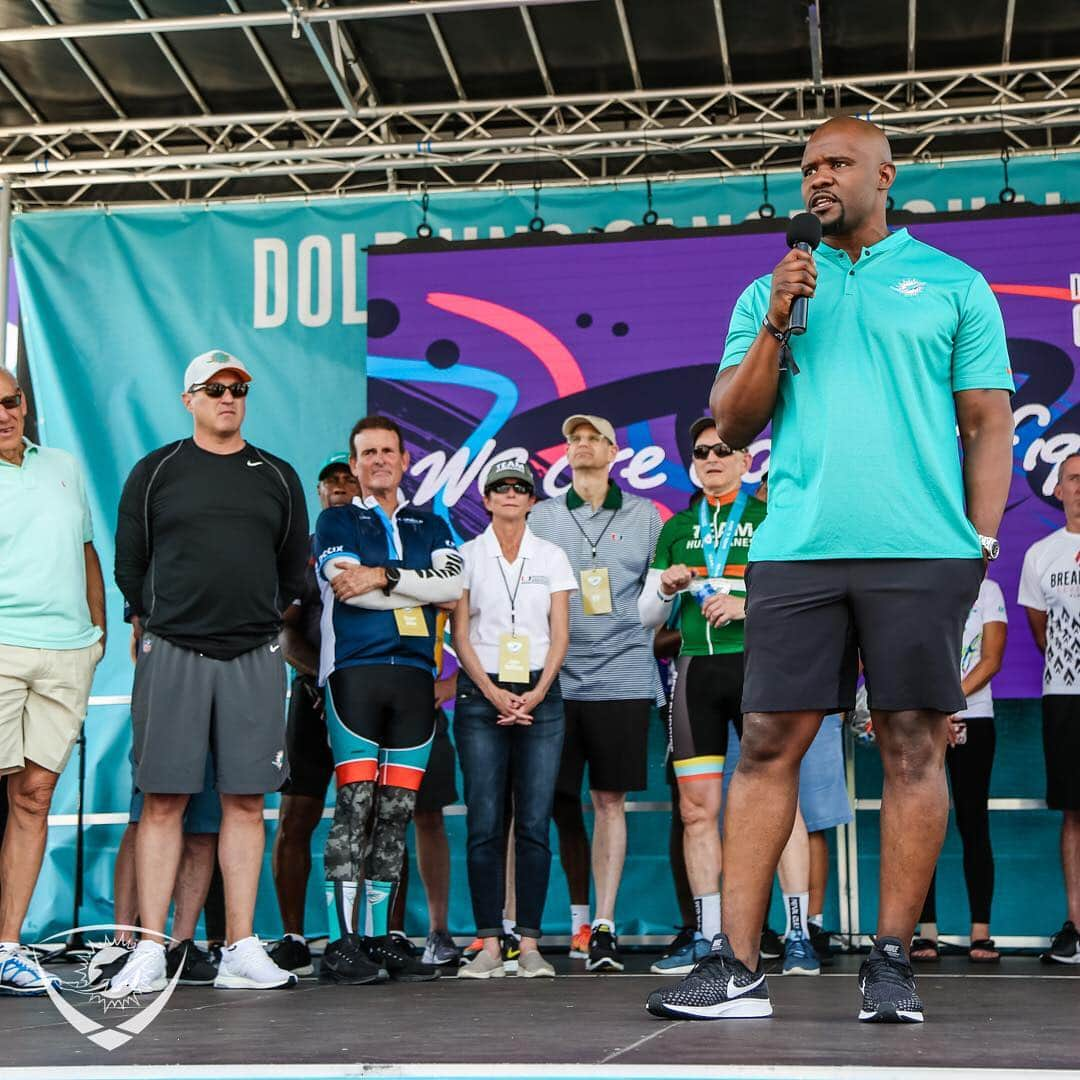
x,y
706,693
809,622
1061,745
612,738
381,722
438,789
310,759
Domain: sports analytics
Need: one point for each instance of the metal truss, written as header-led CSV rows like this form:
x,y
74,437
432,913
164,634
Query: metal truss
x,y
365,145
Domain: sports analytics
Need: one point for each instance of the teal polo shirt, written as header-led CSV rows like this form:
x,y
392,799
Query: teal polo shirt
x,y
865,458
44,523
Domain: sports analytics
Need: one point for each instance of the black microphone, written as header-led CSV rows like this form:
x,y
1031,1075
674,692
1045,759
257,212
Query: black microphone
x,y
804,233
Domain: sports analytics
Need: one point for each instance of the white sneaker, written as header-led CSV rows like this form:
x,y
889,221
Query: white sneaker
x,y
144,972
245,966
20,975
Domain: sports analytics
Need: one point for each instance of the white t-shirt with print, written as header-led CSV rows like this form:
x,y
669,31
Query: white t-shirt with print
x,y
540,569
989,607
1050,582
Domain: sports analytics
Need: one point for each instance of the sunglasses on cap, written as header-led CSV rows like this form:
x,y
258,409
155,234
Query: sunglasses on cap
x,y
501,487
217,389
721,450
12,401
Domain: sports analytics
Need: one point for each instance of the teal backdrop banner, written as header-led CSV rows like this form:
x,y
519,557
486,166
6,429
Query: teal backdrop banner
x,y
114,304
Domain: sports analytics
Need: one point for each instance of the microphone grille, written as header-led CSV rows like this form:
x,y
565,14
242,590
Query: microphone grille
x,y
804,229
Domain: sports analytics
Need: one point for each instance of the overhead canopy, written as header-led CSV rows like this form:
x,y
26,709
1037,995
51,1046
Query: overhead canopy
x,y
130,100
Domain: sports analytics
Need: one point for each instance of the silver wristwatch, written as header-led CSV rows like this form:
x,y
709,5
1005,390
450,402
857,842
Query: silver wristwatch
x,y
991,548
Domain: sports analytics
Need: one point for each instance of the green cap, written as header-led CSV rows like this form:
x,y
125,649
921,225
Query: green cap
x,y
334,461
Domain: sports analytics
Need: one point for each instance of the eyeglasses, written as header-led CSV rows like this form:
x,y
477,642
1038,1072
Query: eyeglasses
x,y
503,486
721,450
217,389
12,401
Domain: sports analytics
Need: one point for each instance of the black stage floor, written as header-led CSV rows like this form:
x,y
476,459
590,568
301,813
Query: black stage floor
x,y
1018,1015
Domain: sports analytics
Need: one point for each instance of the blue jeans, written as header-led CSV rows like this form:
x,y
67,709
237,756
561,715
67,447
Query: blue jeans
x,y
492,758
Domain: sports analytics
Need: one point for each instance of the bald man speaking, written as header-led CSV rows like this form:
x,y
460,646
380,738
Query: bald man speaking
x,y
875,545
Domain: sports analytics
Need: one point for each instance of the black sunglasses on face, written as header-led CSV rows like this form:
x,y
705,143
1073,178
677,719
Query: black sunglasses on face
x,y
503,486
217,389
721,450
13,401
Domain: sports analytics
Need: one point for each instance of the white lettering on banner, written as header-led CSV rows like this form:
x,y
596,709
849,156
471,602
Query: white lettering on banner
x,y
318,291
314,309
267,249
351,315
1052,451
644,461
452,477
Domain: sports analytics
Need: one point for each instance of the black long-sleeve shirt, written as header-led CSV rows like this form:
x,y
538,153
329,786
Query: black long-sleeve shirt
x,y
211,548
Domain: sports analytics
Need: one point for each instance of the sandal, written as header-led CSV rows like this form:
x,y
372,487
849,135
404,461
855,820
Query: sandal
x,y
924,950
985,945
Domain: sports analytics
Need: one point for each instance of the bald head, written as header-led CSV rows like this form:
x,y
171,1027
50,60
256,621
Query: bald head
x,y
869,137
8,385
847,171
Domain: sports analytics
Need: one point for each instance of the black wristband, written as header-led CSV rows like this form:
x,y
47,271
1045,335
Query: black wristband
x,y
780,335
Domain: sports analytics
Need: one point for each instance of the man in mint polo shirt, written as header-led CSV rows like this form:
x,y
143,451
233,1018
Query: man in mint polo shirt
x,y
52,635
874,545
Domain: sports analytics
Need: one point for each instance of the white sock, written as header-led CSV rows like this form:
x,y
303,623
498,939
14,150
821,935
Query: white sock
x,y
609,923
796,904
297,937
146,945
9,946
817,921
508,927
708,915
579,917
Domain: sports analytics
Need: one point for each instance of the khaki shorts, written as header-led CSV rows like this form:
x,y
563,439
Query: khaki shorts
x,y
43,698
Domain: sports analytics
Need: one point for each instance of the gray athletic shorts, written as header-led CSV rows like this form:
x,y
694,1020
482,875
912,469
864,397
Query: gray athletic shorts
x,y
809,623
184,703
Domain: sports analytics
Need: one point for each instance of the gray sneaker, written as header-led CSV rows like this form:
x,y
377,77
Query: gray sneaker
x,y
439,949
531,965
485,966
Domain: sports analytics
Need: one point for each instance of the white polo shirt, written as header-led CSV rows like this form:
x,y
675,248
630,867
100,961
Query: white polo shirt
x,y
544,569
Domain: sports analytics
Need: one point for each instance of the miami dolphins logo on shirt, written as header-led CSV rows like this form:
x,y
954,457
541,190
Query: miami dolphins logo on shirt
x,y
909,286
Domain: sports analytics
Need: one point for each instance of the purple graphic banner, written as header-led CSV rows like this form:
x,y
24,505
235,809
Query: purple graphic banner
x,y
481,352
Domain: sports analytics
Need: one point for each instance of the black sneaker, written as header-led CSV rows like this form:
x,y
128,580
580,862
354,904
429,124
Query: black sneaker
x,y
346,961
719,986
603,949
1064,946
822,943
399,963
198,970
680,942
292,955
772,945
511,951
888,986
403,943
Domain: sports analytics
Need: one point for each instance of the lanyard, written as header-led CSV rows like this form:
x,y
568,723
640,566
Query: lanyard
x,y
511,596
594,544
715,549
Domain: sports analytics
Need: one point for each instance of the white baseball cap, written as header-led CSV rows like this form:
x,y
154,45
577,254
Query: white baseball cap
x,y
208,364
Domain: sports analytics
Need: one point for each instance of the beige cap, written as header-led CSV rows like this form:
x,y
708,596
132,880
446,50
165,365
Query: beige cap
x,y
598,422
206,365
